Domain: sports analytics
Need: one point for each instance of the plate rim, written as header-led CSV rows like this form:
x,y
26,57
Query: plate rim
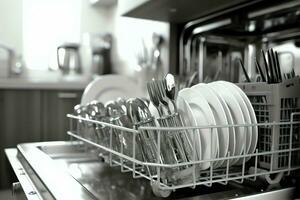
x,y
224,133
212,119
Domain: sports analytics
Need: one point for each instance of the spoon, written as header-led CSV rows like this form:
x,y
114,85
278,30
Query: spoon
x,y
122,103
113,109
138,111
171,90
99,109
140,115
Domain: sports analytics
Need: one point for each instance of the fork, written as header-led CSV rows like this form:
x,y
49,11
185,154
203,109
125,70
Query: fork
x,y
154,98
170,120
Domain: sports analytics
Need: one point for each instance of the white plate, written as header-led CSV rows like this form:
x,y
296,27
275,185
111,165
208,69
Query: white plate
x,y
232,137
237,115
209,138
246,114
110,87
220,117
188,118
252,116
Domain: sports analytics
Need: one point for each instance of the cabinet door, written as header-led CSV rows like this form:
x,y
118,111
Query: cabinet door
x,y
55,106
20,122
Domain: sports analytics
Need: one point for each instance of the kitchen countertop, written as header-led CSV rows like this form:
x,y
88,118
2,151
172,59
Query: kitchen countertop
x,y
58,83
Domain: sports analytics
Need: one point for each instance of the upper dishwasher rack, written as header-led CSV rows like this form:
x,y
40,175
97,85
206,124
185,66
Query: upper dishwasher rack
x,y
156,172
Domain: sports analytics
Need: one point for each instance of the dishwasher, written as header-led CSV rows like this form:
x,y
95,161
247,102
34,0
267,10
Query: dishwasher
x,y
230,45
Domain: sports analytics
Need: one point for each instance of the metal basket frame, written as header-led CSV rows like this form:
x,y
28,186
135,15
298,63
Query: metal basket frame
x,y
153,171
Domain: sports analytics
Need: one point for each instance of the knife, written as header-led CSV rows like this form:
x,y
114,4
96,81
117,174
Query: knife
x,y
278,66
274,65
244,69
272,74
260,70
266,67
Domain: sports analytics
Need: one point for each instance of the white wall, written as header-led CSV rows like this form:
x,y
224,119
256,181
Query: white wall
x,y
46,25
11,23
127,32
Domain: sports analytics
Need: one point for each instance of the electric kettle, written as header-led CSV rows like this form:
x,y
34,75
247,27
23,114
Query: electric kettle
x,y
68,58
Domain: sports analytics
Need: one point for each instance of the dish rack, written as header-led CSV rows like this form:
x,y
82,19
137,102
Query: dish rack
x,y
188,174
275,103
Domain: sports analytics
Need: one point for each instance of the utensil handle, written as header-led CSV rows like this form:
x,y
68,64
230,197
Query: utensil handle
x,y
278,66
266,67
260,71
274,65
244,70
173,140
189,149
148,140
272,73
167,144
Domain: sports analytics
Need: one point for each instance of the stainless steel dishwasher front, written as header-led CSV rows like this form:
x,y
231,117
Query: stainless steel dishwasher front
x,y
65,170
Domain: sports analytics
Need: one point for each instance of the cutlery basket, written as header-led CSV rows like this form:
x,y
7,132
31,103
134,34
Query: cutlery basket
x,y
276,103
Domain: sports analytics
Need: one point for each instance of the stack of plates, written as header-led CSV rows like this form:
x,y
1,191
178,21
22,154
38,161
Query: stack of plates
x,y
219,103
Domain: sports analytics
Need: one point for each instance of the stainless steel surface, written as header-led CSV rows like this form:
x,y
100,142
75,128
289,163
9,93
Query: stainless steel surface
x,y
17,192
138,111
208,27
171,89
64,187
270,10
273,25
25,183
190,25
140,115
106,182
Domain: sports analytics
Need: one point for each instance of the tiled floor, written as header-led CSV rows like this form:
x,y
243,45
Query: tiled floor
x,y
5,195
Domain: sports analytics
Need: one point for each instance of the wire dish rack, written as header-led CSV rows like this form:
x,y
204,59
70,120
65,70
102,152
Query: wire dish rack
x,y
165,178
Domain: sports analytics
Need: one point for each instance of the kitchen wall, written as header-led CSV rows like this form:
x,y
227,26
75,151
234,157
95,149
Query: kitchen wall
x,y
127,32
11,23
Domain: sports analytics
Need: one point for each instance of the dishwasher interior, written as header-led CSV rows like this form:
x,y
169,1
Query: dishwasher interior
x,y
210,49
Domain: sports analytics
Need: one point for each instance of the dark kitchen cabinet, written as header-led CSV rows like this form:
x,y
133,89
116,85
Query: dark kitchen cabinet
x,y
20,121
178,11
55,106
32,116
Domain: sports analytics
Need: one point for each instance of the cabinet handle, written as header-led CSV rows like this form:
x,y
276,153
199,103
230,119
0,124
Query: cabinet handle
x,y
67,95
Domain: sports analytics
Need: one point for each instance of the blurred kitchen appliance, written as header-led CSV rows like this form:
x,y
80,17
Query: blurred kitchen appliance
x,y
10,63
101,45
6,55
68,58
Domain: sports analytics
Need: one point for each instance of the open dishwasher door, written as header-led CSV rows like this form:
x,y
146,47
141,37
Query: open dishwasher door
x,y
66,170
